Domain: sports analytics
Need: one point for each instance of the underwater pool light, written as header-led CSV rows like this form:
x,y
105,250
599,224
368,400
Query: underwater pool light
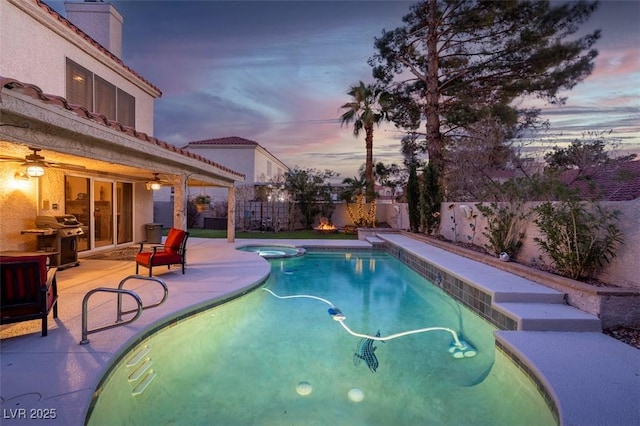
x,y
355,394
304,388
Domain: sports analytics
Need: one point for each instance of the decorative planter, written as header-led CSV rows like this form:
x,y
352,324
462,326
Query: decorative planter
x,y
202,207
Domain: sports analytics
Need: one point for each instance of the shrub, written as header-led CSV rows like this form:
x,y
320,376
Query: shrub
x,y
430,199
192,214
579,236
506,224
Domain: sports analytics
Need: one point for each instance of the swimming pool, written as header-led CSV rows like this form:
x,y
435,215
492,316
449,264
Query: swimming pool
x,y
263,360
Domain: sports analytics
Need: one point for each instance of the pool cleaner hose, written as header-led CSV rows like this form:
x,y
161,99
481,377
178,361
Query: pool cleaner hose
x,y
458,348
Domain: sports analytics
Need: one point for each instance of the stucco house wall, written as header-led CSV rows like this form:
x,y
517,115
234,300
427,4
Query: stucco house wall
x,y
242,155
34,47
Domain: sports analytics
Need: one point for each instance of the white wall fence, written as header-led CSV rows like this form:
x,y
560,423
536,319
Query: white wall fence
x,y
623,271
458,226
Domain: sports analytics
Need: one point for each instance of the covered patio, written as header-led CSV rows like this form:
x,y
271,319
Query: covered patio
x,y
69,142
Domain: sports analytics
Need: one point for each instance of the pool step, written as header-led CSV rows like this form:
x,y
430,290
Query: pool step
x,y
146,381
138,356
142,373
375,241
141,370
550,317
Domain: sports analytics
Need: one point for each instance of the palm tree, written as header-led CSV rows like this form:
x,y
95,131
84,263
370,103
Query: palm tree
x,y
366,109
355,186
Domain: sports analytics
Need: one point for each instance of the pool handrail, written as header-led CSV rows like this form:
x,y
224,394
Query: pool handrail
x,y
140,277
120,291
85,300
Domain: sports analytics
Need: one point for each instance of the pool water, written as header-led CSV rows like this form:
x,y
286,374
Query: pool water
x,y
261,360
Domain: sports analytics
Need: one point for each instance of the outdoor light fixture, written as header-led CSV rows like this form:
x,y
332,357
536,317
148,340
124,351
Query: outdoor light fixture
x,y
35,170
153,186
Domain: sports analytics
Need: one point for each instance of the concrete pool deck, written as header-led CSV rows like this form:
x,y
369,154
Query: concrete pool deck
x,y
594,378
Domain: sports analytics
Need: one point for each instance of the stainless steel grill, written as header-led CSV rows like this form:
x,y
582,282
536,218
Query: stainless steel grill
x,y
59,234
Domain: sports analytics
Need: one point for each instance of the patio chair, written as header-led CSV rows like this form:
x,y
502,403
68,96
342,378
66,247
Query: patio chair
x,y
172,252
29,290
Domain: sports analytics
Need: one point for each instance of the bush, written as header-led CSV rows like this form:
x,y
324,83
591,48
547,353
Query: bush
x,y
579,236
192,214
506,223
430,200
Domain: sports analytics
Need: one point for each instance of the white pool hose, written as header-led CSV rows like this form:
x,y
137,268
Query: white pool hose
x,y
460,349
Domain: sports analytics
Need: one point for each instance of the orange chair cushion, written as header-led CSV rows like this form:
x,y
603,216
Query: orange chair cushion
x,y
161,258
174,240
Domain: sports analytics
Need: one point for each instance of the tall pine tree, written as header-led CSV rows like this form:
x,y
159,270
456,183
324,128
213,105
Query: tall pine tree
x,y
455,62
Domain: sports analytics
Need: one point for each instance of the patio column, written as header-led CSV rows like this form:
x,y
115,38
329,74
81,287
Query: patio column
x,y
180,202
231,214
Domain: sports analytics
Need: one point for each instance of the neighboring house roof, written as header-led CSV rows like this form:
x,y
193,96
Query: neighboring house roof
x,y
97,45
618,183
230,141
36,93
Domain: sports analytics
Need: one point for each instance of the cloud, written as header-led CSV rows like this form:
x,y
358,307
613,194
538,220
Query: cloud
x,y
200,115
278,71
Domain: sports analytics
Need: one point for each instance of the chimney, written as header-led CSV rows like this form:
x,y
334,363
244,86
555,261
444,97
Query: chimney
x,y
101,21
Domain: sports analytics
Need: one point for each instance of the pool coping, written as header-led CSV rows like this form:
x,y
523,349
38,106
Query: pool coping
x,y
216,271
597,386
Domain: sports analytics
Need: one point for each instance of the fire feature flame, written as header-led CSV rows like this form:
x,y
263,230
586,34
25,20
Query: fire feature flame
x,y
326,227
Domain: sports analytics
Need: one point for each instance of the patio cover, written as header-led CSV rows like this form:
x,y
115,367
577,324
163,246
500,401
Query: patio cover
x,y
71,134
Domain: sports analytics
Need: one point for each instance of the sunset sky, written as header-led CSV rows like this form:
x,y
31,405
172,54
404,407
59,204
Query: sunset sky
x,y
277,73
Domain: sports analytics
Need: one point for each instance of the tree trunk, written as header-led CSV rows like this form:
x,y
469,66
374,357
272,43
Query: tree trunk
x,y
370,191
435,144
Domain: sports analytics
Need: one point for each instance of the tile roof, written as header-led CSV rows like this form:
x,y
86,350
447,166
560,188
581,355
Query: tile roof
x,y
97,45
81,111
618,183
232,141
229,140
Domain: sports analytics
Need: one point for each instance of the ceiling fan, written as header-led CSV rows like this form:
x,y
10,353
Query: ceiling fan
x,y
156,183
36,163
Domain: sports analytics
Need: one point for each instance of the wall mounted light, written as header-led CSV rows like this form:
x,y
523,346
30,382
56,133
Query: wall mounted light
x,y
466,210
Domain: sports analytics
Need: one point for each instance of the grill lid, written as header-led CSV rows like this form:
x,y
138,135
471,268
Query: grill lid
x,y
57,222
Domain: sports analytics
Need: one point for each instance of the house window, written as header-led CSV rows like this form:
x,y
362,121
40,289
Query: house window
x,y
269,167
105,97
97,94
126,109
79,85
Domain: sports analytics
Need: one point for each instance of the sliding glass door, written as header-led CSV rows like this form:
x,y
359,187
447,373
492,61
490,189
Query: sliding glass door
x,y
124,216
107,216
103,213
